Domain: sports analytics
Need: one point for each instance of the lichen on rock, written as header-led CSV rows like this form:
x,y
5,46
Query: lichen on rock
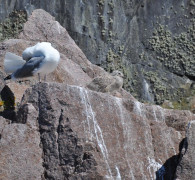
x,y
12,25
176,52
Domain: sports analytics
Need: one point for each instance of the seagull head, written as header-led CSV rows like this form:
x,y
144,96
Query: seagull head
x,y
28,53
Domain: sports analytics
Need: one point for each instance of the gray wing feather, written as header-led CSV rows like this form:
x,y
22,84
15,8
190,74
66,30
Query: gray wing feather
x,y
28,68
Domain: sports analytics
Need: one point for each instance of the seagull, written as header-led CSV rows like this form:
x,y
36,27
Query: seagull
x,y
40,59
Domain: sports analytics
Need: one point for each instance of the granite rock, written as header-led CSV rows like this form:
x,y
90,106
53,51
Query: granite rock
x,y
185,169
93,135
2,82
64,131
21,154
74,68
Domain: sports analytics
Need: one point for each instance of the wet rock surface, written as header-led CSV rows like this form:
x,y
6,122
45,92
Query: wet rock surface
x,y
91,135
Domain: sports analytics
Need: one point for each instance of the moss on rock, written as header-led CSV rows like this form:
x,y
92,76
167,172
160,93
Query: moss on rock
x,y
175,52
13,25
159,88
114,62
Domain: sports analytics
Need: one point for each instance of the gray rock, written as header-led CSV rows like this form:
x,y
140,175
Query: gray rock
x,y
64,131
73,63
90,135
21,154
186,167
107,83
2,82
141,38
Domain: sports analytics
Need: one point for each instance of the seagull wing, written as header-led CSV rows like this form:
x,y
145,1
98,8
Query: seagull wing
x,y
12,62
29,67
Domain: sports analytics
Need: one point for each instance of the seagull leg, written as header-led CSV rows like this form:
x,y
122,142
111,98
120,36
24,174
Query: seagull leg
x,y
39,77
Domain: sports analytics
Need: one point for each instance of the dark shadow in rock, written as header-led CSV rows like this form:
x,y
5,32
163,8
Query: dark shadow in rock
x,y
22,114
8,100
168,169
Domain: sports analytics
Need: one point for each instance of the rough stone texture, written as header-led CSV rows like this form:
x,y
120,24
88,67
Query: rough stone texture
x,y
2,85
92,135
186,167
12,25
18,89
64,131
67,71
2,82
73,69
20,151
152,42
192,104
110,83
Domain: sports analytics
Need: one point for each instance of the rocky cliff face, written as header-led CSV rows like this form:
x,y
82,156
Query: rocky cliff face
x,y
185,169
69,132
152,42
62,130
76,133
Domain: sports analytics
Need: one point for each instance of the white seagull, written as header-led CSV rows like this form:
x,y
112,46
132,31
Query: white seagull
x,y
40,59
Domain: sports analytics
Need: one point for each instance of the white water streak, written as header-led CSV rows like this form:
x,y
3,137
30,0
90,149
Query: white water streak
x,y
97,130
137,108
154,112
126,134
158,110
88,115
118,176
58,27
162,113
146,90
153,167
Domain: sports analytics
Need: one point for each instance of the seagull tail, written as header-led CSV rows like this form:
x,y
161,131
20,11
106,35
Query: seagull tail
x,y
12,62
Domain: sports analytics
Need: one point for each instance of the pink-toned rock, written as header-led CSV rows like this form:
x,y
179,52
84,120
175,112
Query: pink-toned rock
x,y
41,26
18,90
186,167
192,104
2,82
105,136
21,155
65,131
73,69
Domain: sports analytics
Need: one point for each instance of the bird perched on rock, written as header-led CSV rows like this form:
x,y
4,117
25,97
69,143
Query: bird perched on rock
x,y
40,59
107,83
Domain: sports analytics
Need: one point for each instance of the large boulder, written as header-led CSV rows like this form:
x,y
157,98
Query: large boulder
x,y
20,151
186,167
68,70
74,68
2,82
93,135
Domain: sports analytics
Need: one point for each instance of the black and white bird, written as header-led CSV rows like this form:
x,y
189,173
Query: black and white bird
x,y
40,59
